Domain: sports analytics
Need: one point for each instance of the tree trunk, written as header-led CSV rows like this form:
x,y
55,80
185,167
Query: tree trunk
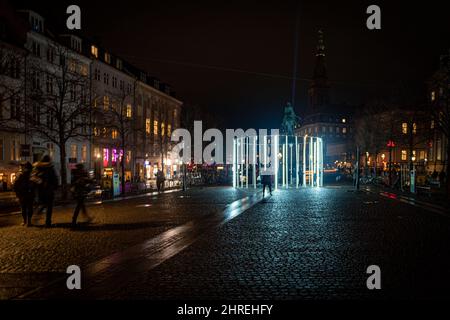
x,y
448,170
63,170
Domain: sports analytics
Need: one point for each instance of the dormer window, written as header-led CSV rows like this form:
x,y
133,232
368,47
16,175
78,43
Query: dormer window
x,y
107,58
119,64
76,44
94,51
37,24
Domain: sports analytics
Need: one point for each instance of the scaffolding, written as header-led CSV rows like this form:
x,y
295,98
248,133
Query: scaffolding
x,y
293,161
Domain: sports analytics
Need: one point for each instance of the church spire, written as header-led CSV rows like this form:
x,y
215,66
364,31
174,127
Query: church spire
x,y
319,96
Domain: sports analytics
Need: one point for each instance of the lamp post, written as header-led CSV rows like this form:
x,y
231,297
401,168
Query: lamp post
x,y
391,145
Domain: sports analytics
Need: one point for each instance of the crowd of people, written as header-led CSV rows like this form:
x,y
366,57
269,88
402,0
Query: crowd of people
x,y
37,183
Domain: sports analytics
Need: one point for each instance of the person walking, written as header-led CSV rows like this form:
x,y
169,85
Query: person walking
x,y
44,176
266,181
160,180
80,189
24,189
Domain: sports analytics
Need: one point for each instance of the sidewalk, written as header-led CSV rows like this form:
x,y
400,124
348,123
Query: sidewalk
x,y
31,257
437,202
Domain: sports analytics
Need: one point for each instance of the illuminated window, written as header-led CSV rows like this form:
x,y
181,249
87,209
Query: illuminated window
x,y
422,155
72,65
114,134
83,153
105,102
155,127
162,129
105,157
404,128
414,128
107,58
344,130
96,131
129,111
147,126
169,130
413,157
404,155
94,51
433,95
73,151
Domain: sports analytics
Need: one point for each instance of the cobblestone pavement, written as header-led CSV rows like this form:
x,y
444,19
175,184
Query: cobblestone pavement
x,y
309,244
34,256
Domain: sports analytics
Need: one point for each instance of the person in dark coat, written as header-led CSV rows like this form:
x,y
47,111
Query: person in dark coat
x,y
266,181
160,180
80,188
44,176
24,190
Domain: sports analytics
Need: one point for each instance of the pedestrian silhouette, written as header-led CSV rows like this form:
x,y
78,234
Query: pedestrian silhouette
x,y
24,189
44,177
266,181
80,188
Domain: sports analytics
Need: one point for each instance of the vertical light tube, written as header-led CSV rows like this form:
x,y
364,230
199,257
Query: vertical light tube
x,y
291,164
242,161
287,161
321,162
310,169
247,160
304,162
234,162
296,161
265,153
276,161
282,165
254,161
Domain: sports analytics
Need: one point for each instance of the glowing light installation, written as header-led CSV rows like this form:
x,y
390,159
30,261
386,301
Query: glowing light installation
x,y
307,152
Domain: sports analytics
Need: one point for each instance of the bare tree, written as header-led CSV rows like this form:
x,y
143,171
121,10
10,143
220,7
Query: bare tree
x,y
59,102
440,105
12,85
118,120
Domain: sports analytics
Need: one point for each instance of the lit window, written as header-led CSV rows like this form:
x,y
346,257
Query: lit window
x,y
414,128
114,134
162,129
169,130
147,126
107,58
94,51
83,153
404,155
413,157
344,130
73,151
404,128
96,131
129,112
433,95
105,102
155,127
119,64
422,155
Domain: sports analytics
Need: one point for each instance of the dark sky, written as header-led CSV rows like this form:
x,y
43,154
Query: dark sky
x,y
236,57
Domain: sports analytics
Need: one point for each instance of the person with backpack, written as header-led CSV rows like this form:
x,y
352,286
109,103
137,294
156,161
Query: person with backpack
x,y
24,189
80,188
44,177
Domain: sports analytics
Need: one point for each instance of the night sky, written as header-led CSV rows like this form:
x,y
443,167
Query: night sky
x,y
237,59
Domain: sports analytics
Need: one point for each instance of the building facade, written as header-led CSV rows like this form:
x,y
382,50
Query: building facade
x,y
115,111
